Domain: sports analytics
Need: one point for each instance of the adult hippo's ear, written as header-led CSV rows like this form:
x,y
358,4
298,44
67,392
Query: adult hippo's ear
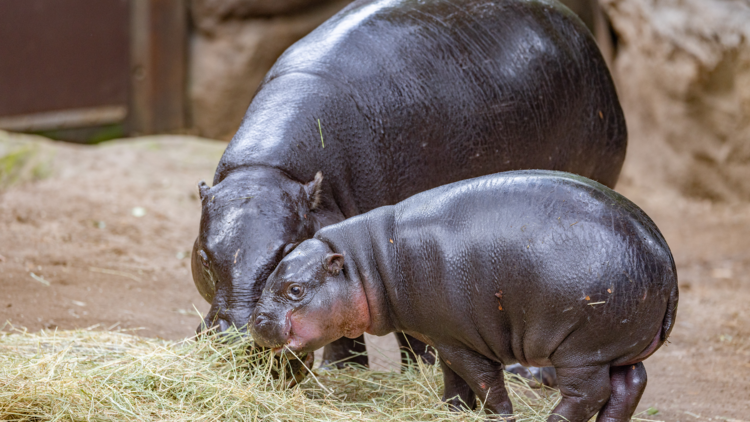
x,y
313,190
203,190
333,263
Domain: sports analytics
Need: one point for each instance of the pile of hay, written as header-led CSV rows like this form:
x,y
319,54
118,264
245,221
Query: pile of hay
x,y
95,375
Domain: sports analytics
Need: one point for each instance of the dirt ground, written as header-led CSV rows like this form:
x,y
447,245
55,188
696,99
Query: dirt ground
x,y
104,239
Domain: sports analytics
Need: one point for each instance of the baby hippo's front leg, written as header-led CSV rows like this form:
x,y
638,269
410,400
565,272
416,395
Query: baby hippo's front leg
x,y
456,392
483,376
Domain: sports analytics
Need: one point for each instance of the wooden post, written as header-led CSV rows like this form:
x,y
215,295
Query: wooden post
x,y
158,53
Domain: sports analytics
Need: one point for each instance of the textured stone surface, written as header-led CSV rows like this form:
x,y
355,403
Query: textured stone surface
x,y
683,73
228,64
207,14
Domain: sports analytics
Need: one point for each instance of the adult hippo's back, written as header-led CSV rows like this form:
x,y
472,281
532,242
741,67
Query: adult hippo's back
x,y
389,98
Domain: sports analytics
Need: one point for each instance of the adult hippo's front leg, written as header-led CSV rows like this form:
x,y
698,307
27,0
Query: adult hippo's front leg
x,y
347,350
344,351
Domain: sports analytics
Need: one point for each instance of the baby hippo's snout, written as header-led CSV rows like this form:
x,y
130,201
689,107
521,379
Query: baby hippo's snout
x,y
270,329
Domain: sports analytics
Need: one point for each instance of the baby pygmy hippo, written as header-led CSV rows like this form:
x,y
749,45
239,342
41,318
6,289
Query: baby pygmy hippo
x,y
538,267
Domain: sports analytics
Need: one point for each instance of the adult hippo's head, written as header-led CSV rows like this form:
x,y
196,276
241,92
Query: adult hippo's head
x,y
250,221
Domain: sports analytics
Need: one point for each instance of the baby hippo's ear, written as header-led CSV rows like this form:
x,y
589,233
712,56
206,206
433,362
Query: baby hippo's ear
x,y
313,190
333,263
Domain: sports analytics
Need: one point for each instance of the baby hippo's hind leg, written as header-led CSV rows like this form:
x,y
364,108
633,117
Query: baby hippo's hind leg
x,y
483,376
628,383
585,390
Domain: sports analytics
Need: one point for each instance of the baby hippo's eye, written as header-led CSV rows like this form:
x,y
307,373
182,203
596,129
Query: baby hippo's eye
x,y
294,291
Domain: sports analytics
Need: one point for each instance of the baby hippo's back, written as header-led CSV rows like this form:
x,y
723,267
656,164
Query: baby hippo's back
x,y
539,267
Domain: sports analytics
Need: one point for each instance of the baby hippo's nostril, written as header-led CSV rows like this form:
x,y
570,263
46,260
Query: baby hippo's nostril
x,y
260,320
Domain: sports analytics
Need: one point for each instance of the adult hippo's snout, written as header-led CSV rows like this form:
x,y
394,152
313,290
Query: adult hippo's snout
x,y
221,317
225,313
224,324
217,323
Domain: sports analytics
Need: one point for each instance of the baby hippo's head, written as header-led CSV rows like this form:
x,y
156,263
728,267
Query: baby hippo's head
x,y
308,302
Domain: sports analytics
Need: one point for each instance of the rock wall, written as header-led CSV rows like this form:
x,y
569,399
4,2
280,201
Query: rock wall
x,y
233,45
683,75
208,14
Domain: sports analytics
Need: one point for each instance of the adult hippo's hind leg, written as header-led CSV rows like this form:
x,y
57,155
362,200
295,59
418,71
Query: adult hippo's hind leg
x,y
585,390
345,351
411,348
628,383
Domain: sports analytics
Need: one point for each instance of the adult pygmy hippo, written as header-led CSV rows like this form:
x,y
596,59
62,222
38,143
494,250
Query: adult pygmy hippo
x,y
390,98
537,267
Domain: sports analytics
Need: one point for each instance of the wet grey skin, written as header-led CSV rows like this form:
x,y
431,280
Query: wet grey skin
x,y
535,267
388,99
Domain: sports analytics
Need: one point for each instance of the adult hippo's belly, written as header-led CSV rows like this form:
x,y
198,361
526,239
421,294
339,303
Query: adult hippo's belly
x,y
389,98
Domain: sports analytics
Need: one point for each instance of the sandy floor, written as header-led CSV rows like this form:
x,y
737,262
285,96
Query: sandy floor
x,y
107,238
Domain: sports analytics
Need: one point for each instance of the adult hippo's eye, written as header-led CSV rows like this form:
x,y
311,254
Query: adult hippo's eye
x,y
294,291
204,259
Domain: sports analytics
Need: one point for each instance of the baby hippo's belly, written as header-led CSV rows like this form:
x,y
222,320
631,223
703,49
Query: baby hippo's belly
x,y
548,309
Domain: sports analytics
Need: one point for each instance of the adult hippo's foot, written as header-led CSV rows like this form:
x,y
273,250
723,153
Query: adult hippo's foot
x,y
291,369
539,376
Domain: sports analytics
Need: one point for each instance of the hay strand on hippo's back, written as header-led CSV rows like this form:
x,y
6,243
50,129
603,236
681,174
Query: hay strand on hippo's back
x,y
114,375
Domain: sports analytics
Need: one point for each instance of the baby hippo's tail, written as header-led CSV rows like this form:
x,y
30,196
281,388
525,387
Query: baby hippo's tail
x,y
671,314
666,326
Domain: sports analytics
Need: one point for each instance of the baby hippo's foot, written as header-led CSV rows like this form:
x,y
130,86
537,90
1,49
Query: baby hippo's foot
x,y
536,376
585,390
468,376
628,383
613,392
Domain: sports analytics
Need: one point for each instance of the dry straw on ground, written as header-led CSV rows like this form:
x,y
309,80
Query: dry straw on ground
x,y
114,375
